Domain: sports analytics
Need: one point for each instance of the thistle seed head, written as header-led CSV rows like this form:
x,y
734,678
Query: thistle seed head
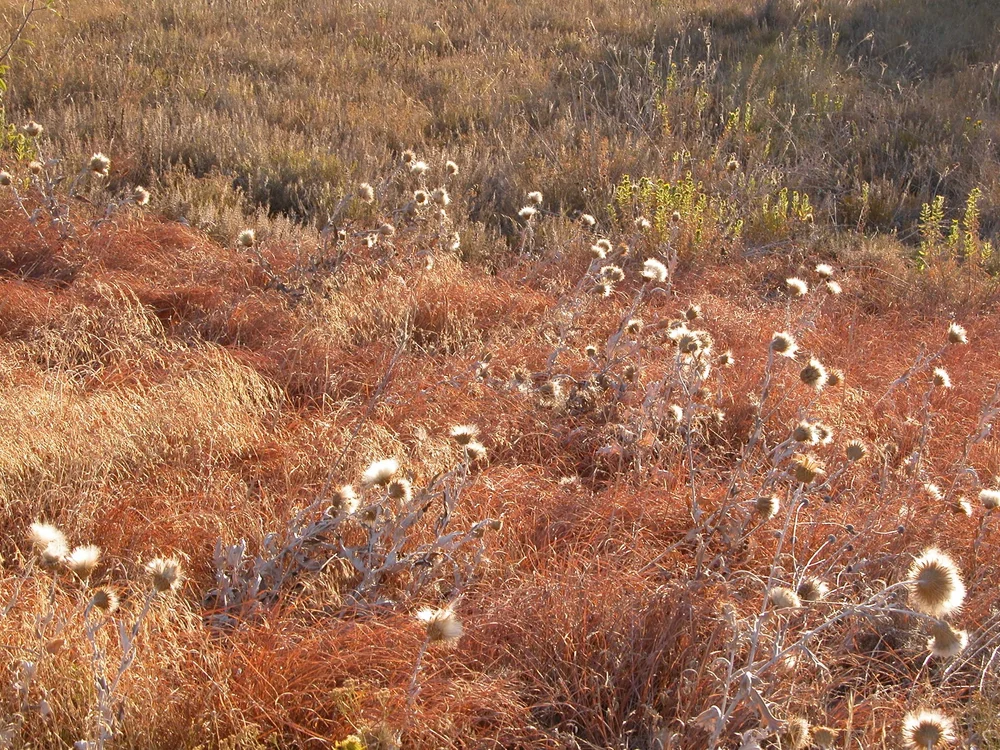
x,y
825,270
654,270
855,450
32,129
588,221
83,560
100,165
104,599
941,378
945,641
767,506
936,586
782,597
990,499
797,286
813,374
535,197
784,344
443,626
927,730
366,193
166,573
957,334
379,473
812,590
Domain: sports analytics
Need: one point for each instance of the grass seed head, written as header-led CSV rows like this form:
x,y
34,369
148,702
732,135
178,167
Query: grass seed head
x,y
936,586
927,730
945,641
166,573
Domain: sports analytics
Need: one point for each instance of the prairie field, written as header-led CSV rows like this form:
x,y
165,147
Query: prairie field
x,y
593,374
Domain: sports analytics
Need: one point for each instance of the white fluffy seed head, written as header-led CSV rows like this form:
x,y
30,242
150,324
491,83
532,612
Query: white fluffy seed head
x,y
927,730
945,641
379,473
936,586
83,560
797,286
166,573
443,626
654,270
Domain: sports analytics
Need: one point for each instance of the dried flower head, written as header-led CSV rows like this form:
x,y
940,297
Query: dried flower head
x,y
927,730
782,597
833,287
733,164
408,156
945,641
83,560
379,473
399,489
834,377
990,499
805,432
806,468
527,212
612,273
855,450
642,224
604,244
464,434
36,167
44,535
420,197
603,289
343,500
451,168
443,625
941,378
104,599
784,344
824,737
961,507
550,392
813,374
590,350
140,196
5,179
596,251
675,217
957,334
418,167
535,197
387,230
165,572
936,586
366,193
797,286
824,269
824,433
767,506
246,238
725,359
692,312
795,734
812,589
587,220
440,197
933,491
100,165
634,326
474,451
654,270
32,129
